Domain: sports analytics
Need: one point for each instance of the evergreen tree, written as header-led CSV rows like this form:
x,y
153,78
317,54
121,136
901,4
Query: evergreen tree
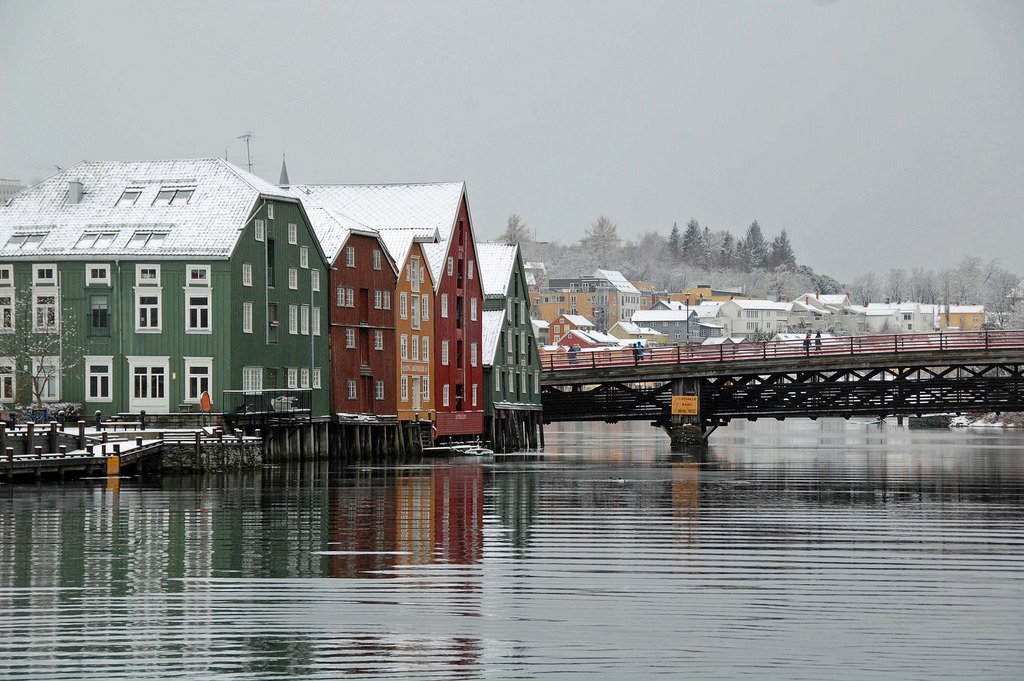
x,y
755,251
691,242
781,253
727,253
675,243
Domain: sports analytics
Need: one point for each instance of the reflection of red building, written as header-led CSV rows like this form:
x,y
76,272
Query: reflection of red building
x,y
362,529
459,513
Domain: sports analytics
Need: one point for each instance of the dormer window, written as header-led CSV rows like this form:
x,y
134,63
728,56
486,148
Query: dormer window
x,y
198,275
147,239
129,196
173,196
96,240
26,241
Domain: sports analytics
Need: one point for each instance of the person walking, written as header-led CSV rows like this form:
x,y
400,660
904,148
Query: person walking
x,y
817,340
807,343
573,352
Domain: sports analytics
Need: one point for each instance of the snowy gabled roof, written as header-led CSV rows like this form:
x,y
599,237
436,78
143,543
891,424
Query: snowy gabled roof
x,y
619,282
578,320
495,262
636,329
332,230
755,304
207,224
966,309
707,310
399,243
492,321
649,316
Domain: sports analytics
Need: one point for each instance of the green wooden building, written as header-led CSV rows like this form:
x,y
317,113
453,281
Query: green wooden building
x,y
130,286
513,416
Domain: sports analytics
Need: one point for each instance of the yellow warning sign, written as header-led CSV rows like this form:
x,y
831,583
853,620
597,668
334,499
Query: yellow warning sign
x,y
684,405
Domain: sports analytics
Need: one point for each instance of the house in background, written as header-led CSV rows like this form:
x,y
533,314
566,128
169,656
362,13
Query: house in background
x,y
169,279
512,405
962,317
564,323
631,331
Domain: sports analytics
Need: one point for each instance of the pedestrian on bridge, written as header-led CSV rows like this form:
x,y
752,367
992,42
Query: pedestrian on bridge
x,y
817,340
638,352
807,343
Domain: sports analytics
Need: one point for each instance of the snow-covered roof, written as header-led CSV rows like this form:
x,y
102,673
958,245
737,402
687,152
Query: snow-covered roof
x,y
648,316
492,322
617,280
870,311
707,310
429,206
205,223
333,229
540,323
966,309
756,304
495,262
722,340
578,320
797,337
636,329
826,298
399,244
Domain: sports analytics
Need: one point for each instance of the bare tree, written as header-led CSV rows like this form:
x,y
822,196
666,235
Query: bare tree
x,y
602,237
515,230
38,338
896,284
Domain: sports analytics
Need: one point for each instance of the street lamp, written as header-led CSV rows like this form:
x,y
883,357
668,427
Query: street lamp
x,y
687,319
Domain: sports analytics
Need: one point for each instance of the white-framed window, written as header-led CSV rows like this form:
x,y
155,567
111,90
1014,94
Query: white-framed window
x,y
403,344
97,378
522,382
6,275
451,266
425,385
45,313
340,297
474,394
522,313
350,338
314,280
403,305
405,388
44,275
97,275
445,395
293,320
414,348
472,354
293,278
147,239
424,307
444,305
147,275
198,315
413,272
387,300
260,230
472,309
378,339
252,379
304,377
316,320
316,378
497,381
8,379
351,388
25,241
350,297
378,299
7,311
304,257
246,274
293,233
350,256
129,196
536,382
197,275
378,390
376,258
469,270
270,211
198,377
415,311
304,320
444,352
293,377
425,347
247,317
46,376
147,310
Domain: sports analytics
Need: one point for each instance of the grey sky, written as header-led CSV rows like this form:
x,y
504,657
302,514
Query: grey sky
x,y
876,133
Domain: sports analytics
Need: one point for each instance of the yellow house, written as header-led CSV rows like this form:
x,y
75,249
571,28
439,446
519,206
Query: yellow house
x,y
704,292
961,317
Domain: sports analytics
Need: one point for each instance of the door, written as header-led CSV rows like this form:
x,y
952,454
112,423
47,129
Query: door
x,y
416,393
148,390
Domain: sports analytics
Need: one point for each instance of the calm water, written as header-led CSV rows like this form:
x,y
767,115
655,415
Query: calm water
x,y
792,551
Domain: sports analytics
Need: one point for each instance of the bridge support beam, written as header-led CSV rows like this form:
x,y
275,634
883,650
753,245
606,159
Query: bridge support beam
x,y
685,429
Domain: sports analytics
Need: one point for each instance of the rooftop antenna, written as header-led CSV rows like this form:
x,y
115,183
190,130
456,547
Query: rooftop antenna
x,y
248,156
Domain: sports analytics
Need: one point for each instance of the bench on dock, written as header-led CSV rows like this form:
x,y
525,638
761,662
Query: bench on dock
x,y
123,425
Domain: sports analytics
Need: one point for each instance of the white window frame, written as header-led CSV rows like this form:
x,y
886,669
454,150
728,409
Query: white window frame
x,y
474,391
497,381
191,364
8,379
352,393
469,270
414,348
293,320
148,292
91,270
246,274
304,257
44,274
378,339
350,337
247,316
425,307
293,377
191,293
53,382
293,233
472,309
446,395
405,388
444,305
316,320
147,281
387,300
316,378
414,311
378,299
376,258
350,257
197,275
47,311
403,305
304,377
6,275
304,320
260,230
270,211
444,352
451,266
378,390
293,278
425,348
314,280
252,379
403,344
7,314
92,361
425,386
472,353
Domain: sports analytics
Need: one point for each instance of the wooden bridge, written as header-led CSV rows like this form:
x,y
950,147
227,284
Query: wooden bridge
x,y
692,390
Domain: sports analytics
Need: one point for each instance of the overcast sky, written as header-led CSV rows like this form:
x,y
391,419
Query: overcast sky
x,y
876,133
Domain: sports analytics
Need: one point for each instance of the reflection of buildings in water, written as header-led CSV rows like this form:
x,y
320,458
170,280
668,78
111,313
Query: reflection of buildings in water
x,y
414,518
459,513
363,527
686,498
516,504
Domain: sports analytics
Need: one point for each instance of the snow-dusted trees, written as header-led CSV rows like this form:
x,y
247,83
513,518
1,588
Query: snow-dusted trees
x,y
780,253
753,248
37,345
515,230
602,237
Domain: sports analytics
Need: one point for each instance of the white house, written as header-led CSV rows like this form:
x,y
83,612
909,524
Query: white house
x,y
744,317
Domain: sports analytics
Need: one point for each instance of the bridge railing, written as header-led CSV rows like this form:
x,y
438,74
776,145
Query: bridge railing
x,y
843,345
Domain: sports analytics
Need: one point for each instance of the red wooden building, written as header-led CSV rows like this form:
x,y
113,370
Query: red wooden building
x,y
458,325
362,313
